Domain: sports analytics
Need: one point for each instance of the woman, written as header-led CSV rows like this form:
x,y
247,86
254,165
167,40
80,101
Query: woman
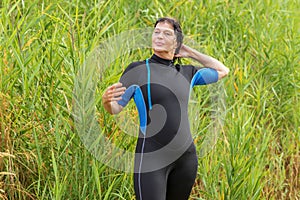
x,y
166,161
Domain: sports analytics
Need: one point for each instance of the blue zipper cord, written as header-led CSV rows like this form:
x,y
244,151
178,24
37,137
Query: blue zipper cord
x,y
148,84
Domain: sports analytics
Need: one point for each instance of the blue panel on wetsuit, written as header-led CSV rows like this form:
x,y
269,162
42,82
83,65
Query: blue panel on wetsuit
x,y
205,76
127,95
141,106
135,92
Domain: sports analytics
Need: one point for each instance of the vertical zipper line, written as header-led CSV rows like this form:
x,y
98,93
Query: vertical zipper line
x,y
148,84
140,169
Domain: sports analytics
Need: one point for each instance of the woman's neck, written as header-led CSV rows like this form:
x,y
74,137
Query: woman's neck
x,y
164,55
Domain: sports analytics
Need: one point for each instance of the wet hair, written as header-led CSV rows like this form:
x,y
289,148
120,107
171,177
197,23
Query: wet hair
x,y
177,30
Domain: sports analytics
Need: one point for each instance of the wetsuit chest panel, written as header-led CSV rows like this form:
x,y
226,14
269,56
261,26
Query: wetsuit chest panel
x,y
169,95
174,81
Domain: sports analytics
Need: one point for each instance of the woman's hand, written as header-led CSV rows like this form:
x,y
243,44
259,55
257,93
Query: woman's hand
x,y
110,97
184,52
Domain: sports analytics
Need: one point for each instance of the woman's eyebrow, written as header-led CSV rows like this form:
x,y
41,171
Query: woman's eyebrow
x,y
163,29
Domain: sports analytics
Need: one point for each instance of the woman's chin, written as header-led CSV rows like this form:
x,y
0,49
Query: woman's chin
x,y
160,49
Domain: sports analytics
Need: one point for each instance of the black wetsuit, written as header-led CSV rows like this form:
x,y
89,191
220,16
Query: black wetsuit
x,y
166,160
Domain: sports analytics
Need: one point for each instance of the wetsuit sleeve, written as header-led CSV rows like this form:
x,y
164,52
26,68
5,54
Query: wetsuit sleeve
x,y
127,81
134,91
205,76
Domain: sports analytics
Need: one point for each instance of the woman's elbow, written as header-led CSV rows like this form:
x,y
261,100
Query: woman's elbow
x,y
224,73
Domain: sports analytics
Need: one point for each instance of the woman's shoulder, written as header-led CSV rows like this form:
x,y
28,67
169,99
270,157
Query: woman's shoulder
x,y
135,64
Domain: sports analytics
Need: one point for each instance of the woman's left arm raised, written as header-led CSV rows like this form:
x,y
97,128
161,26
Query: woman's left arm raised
x,y
205,60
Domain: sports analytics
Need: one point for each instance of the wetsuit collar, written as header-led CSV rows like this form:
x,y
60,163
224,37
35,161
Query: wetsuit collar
x,y
157,59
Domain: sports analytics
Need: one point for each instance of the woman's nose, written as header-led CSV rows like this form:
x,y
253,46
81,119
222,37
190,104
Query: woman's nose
x,y
160,35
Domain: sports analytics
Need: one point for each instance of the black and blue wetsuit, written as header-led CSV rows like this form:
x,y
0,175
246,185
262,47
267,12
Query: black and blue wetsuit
x,y
166,161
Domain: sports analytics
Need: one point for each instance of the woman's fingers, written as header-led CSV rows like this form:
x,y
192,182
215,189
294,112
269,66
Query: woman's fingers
x,y
114,92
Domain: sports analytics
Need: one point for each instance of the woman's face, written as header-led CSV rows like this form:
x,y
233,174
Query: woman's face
x,y
164,38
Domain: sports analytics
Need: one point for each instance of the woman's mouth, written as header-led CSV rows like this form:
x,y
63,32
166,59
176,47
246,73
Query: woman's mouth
x,y
159,43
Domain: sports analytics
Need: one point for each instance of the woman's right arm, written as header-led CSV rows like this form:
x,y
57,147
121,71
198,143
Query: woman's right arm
x,y
111,96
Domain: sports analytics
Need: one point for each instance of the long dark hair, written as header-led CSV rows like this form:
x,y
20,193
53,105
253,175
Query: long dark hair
x,y
177,30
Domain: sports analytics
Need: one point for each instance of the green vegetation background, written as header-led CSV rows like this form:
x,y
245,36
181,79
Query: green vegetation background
x,y
44,43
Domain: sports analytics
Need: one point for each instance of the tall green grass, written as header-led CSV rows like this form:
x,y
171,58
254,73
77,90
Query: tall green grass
x,y
43,44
